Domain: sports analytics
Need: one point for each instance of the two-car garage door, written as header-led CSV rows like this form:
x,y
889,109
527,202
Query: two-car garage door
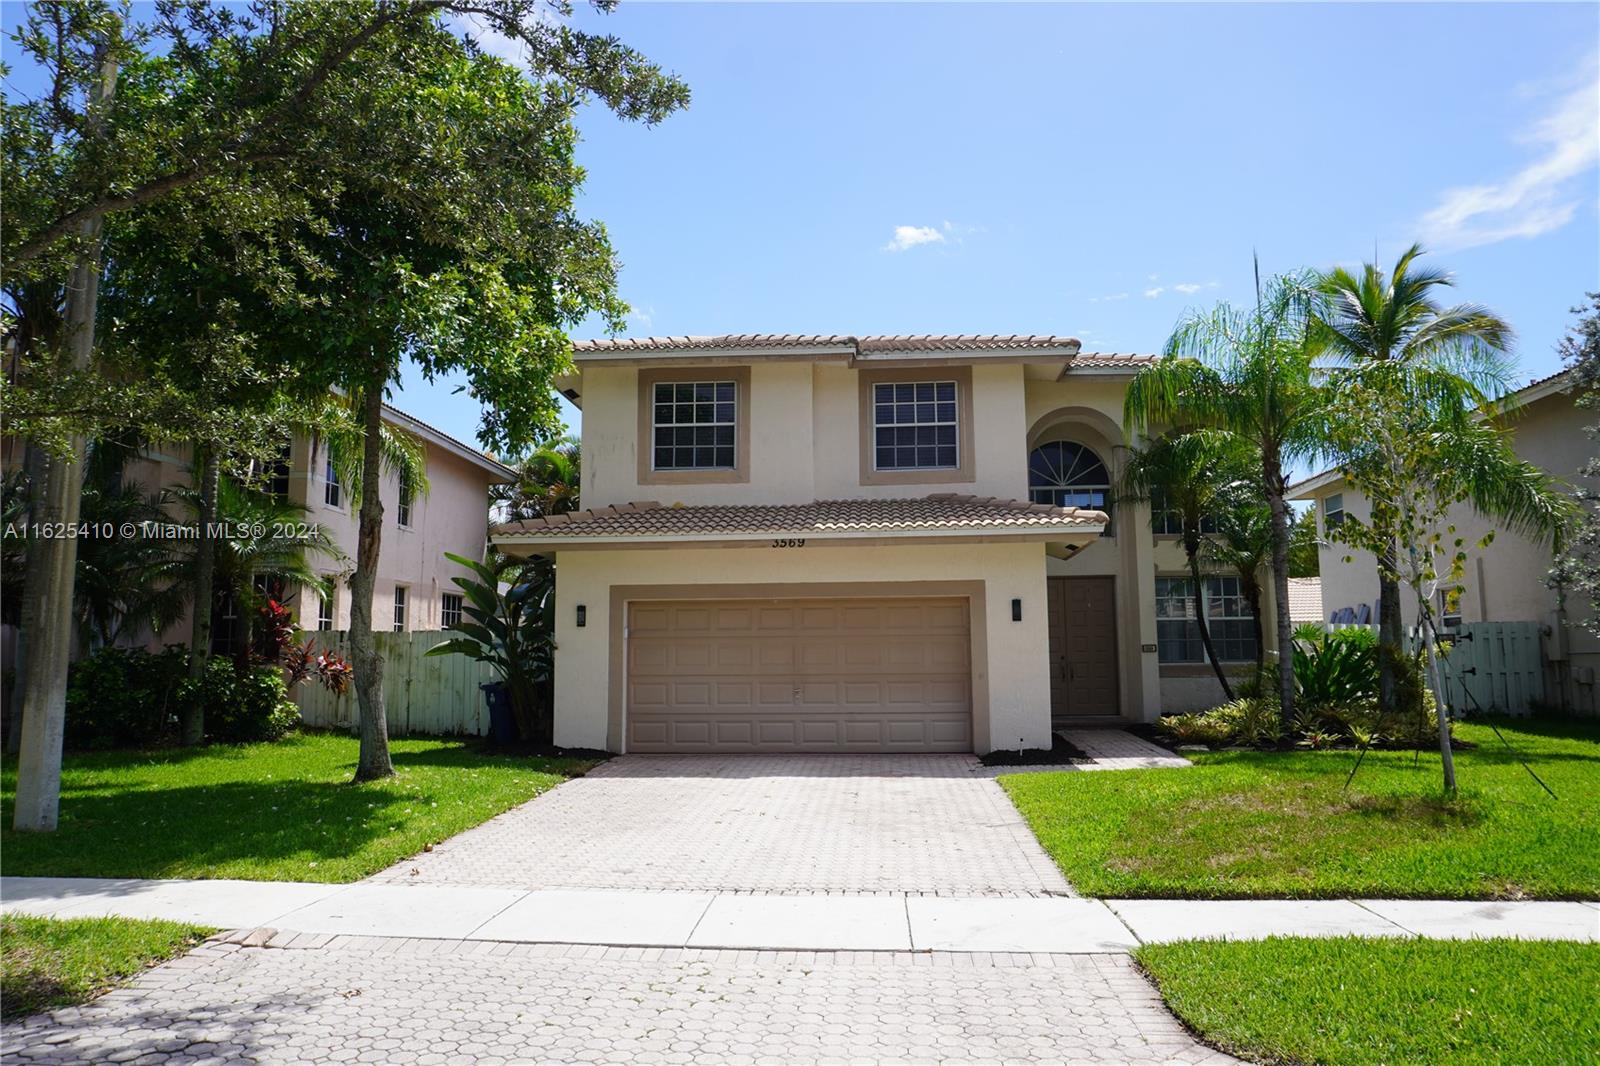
x,y
866,675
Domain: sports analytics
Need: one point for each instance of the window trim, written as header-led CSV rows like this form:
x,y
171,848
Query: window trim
x,y
1207,600
649,378
1329,512
331,485
330,604
444,608
402,608
404,504
963,472
954,423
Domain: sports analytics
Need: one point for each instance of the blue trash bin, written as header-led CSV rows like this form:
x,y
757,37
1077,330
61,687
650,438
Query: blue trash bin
x,y
502,723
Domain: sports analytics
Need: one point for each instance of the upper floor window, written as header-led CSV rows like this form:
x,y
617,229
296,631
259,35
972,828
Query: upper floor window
x,y
1332,512
326,605
332,494
402,511
914,425
694,425
1166,521
1067,474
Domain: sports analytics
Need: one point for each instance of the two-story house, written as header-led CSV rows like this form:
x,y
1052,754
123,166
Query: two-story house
x,y
831,543
1510,580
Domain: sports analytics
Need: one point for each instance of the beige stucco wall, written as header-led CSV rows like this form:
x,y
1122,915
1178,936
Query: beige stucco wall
x,y
1013,674
1506,581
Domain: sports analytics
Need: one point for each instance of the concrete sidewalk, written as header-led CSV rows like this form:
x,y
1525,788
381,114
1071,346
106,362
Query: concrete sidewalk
x,y
804,922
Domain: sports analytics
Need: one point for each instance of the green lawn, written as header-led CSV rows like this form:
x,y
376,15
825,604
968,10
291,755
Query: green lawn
x,y
50,962
271,812
1257,824
1356,1002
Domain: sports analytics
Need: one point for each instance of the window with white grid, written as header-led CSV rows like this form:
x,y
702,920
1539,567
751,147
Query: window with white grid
x,y
693,425
914,425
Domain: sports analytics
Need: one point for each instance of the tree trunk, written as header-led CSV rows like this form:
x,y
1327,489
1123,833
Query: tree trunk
x,y
364,658
44,696
1191,549
209,468
1273,483
33,465
1252,591
1441,712
1391,637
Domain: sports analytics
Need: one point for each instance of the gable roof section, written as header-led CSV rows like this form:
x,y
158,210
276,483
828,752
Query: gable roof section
x,y
938,515
497,471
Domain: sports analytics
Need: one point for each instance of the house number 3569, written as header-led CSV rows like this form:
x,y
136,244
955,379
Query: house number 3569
x,y
792,542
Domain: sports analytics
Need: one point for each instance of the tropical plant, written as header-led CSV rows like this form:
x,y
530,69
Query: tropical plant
x,y
1249,372
266,544
1376,317
548,482
1242,542
513,630
1336,669
1192,476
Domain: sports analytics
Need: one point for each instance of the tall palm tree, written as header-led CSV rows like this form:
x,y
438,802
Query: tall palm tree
x,y
1249,372
1193,476
1373,317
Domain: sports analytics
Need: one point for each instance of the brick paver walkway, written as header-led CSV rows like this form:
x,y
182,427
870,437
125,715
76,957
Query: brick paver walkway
x,y
760,823
384,1001
1117,749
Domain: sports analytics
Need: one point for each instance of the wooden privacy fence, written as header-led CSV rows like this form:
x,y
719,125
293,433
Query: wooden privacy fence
x,y
1499,665
436,695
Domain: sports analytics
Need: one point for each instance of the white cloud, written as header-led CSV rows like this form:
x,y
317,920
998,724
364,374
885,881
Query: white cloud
x,y
1540,197
1108,299
1187,288
910,236
641,317
1151,294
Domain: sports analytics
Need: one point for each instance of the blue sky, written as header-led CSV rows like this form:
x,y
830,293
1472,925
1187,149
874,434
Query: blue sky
x,y
1088,169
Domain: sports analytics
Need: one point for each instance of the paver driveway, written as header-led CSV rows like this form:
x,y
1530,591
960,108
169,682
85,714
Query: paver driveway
x,y
385,1001
762,823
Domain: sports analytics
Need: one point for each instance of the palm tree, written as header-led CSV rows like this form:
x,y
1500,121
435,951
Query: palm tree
x,y
1250,373
548,482
1373,318
266,542
1192,476
1242,542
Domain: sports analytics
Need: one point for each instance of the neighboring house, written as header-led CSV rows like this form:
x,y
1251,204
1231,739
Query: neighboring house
x,y
414,590
1509,581
828,543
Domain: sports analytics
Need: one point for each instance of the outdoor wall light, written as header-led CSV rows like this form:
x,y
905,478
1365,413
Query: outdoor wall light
x,y
1016,610
583,616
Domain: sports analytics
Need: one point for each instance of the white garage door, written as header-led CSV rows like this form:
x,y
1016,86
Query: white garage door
x,y
885,675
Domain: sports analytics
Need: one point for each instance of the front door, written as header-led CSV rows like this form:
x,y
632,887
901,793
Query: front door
x,y
1083,647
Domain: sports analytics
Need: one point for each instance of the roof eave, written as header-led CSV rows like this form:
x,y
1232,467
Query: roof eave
x,y
538,544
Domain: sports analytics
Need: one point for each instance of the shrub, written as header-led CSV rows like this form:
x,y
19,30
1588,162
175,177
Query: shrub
x,y
241,708
1336,669
1196,729
123,697
1251,720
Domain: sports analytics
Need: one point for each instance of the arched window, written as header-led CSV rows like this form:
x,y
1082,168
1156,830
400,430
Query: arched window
x,y
1067,474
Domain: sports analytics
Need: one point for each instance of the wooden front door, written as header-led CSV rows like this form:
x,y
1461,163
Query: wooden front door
x,y
1083,647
